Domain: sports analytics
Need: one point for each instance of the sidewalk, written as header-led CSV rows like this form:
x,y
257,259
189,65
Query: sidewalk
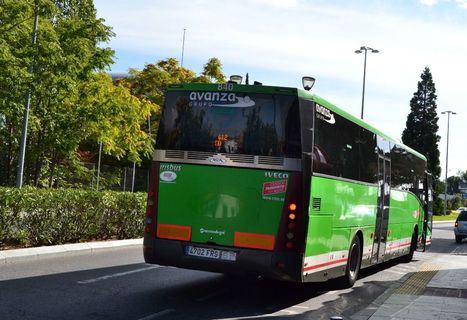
x,y
431,293
8,256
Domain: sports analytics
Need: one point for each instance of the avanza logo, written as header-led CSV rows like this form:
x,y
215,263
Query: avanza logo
x,y
325,114
213,96
219,99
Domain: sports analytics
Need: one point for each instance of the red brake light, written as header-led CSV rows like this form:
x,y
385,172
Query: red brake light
x,y
456,224
291,233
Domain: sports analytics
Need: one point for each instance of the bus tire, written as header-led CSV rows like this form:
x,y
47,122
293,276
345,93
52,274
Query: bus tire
x,y
458,239
353,262
413,246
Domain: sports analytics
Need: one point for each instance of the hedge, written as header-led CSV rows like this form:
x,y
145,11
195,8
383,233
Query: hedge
x,y
37,217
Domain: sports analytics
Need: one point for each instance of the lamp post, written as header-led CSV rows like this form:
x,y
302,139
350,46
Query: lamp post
x,y
24,131
365,50
447,157
183,47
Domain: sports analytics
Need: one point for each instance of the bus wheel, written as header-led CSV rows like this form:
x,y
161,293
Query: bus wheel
x,y
354,261
413,246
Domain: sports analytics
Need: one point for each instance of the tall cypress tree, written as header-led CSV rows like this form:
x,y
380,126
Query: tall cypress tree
x,y
421,128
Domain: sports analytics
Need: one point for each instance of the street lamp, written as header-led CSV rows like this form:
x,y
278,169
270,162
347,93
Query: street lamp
x,y
447,154
24,131
364,49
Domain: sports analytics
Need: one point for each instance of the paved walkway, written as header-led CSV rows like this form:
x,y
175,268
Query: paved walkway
x,y
431,293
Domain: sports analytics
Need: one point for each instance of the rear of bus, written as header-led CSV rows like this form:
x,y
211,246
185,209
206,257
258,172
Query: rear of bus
x,y
226,188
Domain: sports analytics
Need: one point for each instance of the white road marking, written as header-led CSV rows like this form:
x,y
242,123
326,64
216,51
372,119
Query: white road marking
x,y
116,275
157,314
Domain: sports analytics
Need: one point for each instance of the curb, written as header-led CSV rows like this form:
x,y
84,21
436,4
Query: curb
x,y
8,256
444,221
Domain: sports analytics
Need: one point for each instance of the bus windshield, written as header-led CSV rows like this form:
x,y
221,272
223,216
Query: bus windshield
x,y
231,122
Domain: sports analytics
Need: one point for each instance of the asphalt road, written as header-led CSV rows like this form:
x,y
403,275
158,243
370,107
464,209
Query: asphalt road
x,y
117,284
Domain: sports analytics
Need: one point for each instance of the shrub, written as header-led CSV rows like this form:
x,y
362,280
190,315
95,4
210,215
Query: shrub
x,y
35,217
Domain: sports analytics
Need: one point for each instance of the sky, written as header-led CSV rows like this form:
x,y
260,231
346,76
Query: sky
x,y
279,41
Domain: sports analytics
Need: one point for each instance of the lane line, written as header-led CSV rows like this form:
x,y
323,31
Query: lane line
x,y
116,275
157,314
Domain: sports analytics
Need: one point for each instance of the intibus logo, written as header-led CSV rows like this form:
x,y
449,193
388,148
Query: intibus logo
x,y
219,99
325,114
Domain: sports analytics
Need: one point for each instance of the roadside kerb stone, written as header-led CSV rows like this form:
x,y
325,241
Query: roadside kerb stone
x,y
445,221
8,256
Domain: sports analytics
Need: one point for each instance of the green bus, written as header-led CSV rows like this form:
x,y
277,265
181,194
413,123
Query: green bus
x,y
278,182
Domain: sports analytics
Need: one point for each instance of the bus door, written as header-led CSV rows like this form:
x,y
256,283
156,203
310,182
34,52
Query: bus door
x,y
428,212
382,210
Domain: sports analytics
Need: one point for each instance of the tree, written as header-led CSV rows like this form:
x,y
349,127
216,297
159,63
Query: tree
x,y
68,52
453,184
213,70
422,123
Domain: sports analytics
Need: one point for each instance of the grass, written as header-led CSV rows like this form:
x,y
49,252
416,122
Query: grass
x,y
451,216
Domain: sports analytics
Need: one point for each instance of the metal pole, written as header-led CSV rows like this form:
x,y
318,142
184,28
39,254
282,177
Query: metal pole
x,y
133,178
446,175
447,158
24,130
363,90
99,165
183,47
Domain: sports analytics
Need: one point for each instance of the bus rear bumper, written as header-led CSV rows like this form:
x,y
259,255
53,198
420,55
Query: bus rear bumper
x,y
276,265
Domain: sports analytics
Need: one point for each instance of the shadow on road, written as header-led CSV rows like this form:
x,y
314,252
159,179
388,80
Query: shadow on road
x,y
119,293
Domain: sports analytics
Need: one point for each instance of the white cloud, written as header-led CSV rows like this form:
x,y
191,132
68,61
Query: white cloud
x,y
430,3
317,39
462,3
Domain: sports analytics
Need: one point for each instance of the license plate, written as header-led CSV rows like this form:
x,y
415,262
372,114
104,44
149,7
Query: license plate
x,y
210,253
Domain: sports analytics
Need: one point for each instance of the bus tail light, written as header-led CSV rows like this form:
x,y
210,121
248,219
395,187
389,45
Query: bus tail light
x,y
456,224
151,204
291,232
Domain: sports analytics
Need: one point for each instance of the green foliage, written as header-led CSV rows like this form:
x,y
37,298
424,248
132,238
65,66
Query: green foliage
x,y
213,70
114,116
453,184
73,104
35,217
422,123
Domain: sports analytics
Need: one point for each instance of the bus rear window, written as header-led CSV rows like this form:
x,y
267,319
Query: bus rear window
x,y
462,216
228,122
